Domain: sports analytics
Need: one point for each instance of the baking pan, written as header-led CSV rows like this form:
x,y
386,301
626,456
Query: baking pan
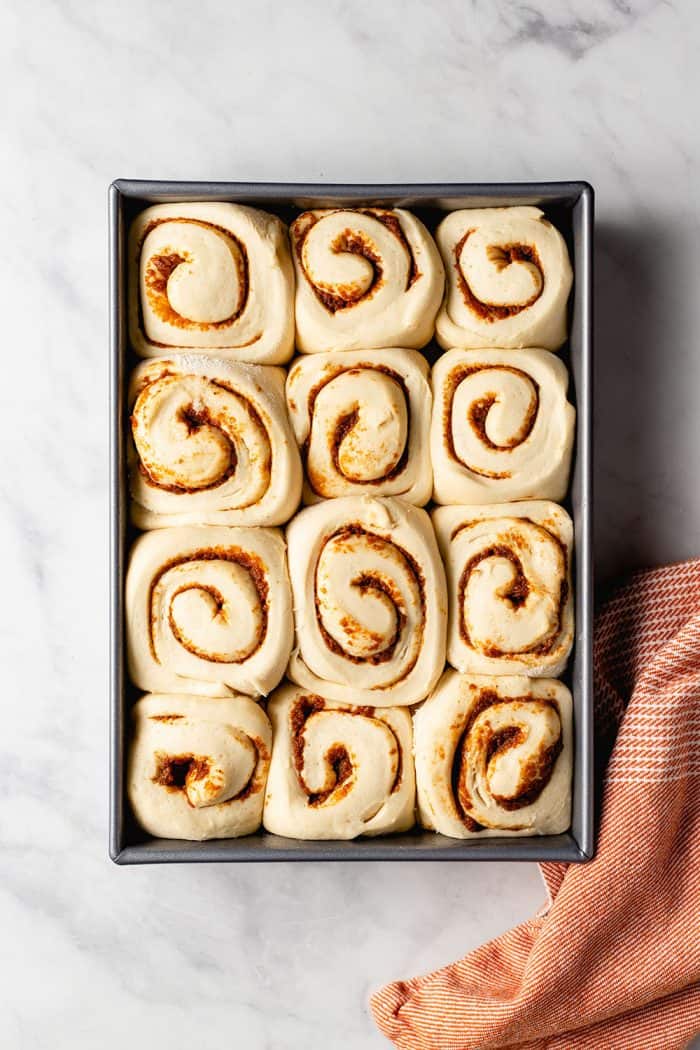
x,y
570,206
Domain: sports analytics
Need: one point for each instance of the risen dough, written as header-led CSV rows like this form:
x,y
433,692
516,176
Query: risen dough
x,y
502,428
338,771
208,610
369,601
211,276
494,756
509,580
197,767
508,279
366,277
212,444
362,419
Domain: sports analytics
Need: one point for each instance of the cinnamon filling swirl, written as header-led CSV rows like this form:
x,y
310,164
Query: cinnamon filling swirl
x,y
515,595
346,423
478,412
337,757
377,648
160,267
176,771
341,296
501,255
180,773
478,746
255,569
195,417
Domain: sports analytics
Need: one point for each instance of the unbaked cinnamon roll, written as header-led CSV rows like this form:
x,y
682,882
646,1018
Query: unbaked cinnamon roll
x,y
337,771
198,767
369,601
509,581
494,756
508,279
211,276
366,277
208,611
362,419
212,444
502,428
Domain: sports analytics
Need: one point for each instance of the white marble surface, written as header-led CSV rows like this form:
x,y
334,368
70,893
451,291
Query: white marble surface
x,y
284,956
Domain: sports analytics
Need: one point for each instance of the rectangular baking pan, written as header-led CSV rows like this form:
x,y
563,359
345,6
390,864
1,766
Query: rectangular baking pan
x,y
570,206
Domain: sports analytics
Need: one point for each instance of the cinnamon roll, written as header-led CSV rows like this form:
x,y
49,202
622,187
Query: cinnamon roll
x,y
362,419
494,756
211,276
208,611
212,444
337,771
369,601
366,277
502,427
508,279
509,582
198,767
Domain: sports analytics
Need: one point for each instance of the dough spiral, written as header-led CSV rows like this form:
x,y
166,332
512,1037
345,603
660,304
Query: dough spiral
x,y
369,600
366,277
212,444
211,276
361,418
208,610
494,756
509,581
338,771
508,279
502,428
198,767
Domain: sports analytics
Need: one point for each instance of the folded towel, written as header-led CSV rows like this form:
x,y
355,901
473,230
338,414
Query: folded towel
x,y
613,961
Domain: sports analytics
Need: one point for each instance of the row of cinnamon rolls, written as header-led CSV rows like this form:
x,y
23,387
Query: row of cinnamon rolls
x,y
227,278
481,757
356,604
218,442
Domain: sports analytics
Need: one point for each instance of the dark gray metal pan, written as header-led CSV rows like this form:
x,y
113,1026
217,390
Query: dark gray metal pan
x,y
570,207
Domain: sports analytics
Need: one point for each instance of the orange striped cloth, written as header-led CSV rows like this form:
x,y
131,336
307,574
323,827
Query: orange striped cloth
x,y
613,962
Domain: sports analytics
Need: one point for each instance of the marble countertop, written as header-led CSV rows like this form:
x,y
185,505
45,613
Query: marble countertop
x,y
284,956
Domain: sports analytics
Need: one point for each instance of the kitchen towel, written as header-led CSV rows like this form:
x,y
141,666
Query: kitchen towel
x,y
613,960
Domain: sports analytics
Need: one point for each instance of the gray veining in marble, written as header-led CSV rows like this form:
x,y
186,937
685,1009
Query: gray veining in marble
x,y
283,957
